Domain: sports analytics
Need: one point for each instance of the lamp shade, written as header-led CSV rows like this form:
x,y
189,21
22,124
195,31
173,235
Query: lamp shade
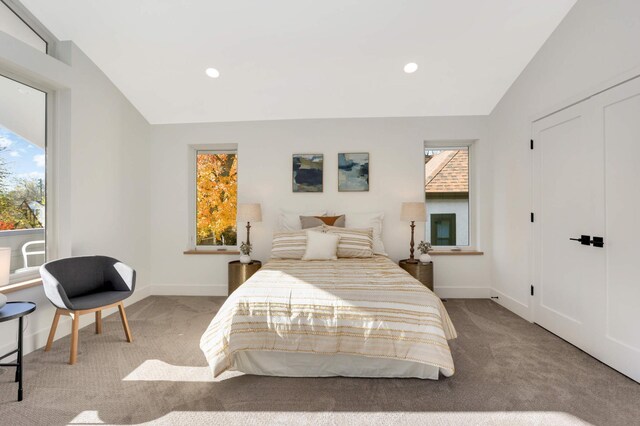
x,y
5,265
249,212
413,212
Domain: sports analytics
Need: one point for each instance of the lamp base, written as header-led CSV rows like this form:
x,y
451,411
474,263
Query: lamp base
x,y
412,261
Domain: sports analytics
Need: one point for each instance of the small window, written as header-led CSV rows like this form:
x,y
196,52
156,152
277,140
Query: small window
x,y
13,25
447,195
216,198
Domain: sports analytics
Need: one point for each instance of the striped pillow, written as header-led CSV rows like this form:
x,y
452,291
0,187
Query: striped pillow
x,y
289,245
353,242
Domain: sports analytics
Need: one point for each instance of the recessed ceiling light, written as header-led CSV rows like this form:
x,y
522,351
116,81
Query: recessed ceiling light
x,y
411,67
213,73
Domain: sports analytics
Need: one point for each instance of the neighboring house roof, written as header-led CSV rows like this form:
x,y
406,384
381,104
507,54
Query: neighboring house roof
x,y
36,211
448,172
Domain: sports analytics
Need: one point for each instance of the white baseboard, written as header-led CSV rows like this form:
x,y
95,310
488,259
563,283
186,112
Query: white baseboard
x,y
512,304
37,339
189,290
462,292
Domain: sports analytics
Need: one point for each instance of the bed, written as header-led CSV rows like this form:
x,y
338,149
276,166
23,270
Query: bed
x,y
362,317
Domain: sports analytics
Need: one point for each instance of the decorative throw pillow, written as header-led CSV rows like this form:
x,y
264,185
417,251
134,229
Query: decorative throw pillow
x,y
313,221
288,221
321,246
353,242
369,220
289,245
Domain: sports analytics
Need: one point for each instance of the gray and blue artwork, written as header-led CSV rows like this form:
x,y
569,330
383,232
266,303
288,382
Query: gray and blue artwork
x,y
353,172
307,172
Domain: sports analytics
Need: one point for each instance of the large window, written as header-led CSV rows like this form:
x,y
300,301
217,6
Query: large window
x,y
447,195
216,198
22,176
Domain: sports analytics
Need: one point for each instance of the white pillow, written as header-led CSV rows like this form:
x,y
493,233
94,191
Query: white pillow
x,y
321,246
290,221
369,220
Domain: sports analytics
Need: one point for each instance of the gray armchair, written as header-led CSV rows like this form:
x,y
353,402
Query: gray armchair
x,y
86,284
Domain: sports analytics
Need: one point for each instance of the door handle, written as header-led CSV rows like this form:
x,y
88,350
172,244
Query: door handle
x,y
585,240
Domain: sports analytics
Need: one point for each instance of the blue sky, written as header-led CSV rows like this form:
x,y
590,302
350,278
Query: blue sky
x,y
22,158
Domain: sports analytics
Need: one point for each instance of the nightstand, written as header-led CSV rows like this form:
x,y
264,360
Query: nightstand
x,y
422,272
240,272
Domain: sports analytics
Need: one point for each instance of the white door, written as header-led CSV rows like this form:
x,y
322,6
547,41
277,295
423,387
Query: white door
x,y
568,203
587,181
618,337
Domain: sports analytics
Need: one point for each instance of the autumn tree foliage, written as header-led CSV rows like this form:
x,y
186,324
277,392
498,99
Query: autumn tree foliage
x,y
217,190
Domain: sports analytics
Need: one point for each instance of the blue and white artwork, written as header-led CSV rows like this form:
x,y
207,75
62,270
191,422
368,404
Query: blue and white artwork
x,y
307,172
353,172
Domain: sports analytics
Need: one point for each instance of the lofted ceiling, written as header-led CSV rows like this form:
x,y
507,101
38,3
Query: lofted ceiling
x,y
291,59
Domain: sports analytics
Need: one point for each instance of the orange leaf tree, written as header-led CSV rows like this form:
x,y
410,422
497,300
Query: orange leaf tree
x,y
216,204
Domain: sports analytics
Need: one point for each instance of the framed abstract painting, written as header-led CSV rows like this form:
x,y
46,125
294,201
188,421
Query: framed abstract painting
x,y
353,172
307,172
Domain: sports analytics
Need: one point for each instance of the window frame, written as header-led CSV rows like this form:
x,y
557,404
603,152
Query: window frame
x,y
192,193
469,144
34,25
50,168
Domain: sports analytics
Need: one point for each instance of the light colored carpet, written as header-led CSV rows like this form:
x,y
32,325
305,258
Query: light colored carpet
x,y
508,371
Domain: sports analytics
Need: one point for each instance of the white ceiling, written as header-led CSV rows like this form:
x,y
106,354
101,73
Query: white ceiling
x,y
284,59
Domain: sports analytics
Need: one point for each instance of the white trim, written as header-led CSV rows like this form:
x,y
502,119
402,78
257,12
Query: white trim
x,y
447,292
190,290
586,94
515,306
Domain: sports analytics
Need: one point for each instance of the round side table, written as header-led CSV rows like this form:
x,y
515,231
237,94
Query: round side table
x,y
8,312
240,272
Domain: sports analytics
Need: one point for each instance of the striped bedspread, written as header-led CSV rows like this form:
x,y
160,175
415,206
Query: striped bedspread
x,y
367,307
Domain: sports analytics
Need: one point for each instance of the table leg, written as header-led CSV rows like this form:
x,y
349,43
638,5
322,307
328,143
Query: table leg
x,y
19,361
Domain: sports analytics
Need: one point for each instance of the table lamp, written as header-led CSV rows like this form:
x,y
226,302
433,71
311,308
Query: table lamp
x,y
413,212
249,212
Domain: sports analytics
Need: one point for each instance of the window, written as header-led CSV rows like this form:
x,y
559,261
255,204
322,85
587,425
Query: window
x,y
216,198
447,195
22,176
12,24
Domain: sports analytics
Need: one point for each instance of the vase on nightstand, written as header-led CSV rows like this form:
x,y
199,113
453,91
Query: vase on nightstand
x,y
245,258
425,258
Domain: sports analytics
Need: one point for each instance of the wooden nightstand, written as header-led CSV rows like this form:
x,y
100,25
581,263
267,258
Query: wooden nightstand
x,y
240,272
422,272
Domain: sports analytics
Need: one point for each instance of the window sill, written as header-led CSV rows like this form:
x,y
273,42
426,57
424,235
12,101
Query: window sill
x,y
456,253
228,252
20,286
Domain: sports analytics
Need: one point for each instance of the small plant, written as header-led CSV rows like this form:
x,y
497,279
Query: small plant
x,y
424,247
245,249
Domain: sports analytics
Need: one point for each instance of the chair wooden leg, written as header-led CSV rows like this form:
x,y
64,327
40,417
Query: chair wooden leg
x,y
74,337
52,333
98,322
125,323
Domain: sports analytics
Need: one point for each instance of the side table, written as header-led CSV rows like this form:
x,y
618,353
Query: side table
x,y
8,312
240,272
422,272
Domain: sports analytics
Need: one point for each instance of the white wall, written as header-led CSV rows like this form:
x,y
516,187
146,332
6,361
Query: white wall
x,y
396,148
597,41
101,199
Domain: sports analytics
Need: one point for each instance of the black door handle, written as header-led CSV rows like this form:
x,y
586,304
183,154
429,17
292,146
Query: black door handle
x,y
585,240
